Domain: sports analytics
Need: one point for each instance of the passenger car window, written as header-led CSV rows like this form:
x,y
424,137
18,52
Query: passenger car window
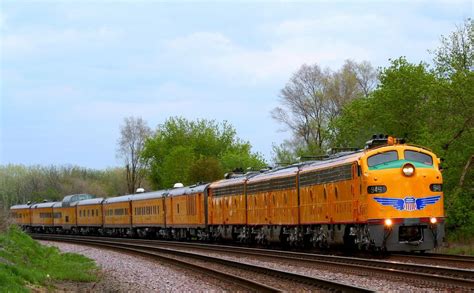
x,y
382,158
419,157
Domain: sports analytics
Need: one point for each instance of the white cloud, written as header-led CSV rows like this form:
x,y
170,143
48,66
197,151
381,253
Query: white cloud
x,y
219,56
326,40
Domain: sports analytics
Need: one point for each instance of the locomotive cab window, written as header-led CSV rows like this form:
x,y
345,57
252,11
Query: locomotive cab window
x,y
382,158
419,157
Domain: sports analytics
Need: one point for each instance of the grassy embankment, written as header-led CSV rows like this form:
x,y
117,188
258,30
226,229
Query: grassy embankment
x,y
24,263
457,244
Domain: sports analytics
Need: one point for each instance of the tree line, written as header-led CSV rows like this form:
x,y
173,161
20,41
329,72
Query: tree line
x,y
22,184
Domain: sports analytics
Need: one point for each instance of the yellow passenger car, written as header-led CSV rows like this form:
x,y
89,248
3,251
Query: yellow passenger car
x,y
64,217
21,215
90,217
148,213
118,215
186,210
42,216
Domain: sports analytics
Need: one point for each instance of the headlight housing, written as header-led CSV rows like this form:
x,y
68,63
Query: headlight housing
x,y
388,222
408,169
436,187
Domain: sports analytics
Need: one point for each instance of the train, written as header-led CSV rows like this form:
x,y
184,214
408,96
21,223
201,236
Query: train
x,y
385,197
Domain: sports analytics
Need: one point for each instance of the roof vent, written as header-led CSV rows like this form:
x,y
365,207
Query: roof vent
x,y
178,185
140,190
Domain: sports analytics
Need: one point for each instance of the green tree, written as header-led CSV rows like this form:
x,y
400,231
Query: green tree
x,y
397,107
196,151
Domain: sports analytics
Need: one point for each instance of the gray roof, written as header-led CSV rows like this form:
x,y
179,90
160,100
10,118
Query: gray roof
x,y
68,199
228,182
92,201
188,189
281,172
330,162
149,195
157,194
43,205
122,198
20,206
58,205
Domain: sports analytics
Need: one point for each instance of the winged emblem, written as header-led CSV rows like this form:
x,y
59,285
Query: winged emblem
x,y
409,203
421,203
394,202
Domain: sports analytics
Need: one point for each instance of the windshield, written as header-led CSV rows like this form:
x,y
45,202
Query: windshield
x,y
382,158
419,157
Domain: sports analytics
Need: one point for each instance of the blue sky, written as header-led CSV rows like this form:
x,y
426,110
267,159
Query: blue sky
x,y
70,72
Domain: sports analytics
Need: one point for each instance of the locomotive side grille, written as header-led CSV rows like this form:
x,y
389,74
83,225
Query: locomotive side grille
x,y
272,185
229,190
340,173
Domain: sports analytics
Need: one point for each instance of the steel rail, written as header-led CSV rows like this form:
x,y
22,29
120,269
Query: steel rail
x,y
465,259
318,283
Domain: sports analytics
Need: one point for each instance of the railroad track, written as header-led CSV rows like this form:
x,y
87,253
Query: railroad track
x,y
466,260
441,276
149,249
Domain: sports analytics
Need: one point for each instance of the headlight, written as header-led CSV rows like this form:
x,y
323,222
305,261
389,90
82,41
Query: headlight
x,y
408,169
376,189
388,222
433,220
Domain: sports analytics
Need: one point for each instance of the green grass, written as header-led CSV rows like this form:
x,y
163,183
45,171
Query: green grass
x,y
23,262
456,246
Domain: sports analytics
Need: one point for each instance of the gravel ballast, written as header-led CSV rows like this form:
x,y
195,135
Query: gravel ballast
x,y
362,279
123,272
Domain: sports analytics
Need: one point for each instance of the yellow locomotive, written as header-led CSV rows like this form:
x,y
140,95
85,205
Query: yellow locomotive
x,y
387,196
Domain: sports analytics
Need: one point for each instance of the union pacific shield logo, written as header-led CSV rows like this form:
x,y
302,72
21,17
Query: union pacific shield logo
x,y
409,203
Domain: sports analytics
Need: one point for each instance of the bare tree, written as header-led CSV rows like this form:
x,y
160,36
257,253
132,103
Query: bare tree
x,y
303,101
133,134
313,98
352,81
366,76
